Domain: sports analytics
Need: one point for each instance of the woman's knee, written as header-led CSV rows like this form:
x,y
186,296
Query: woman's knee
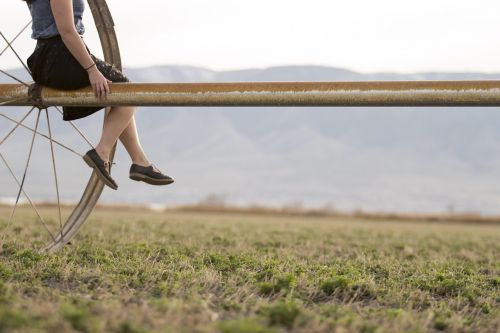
x,y
127,109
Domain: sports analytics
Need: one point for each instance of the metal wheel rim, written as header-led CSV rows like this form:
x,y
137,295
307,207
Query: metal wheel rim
x,y
67,226
105,27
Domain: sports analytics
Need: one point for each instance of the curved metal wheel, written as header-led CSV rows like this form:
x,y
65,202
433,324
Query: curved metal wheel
x,y
56,231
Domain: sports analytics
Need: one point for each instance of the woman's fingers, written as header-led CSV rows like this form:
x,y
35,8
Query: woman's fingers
x,y
94,88
106,85
98,89
104,90
101,87
101,91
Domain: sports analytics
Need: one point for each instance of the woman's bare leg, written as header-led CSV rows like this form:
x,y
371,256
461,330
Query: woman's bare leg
x,y
130,140
114,124
128,135
120,124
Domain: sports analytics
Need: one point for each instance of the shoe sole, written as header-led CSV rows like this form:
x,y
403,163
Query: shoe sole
x,y
102,177
143,178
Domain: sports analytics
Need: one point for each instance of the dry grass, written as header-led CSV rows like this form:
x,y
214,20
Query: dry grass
x,y
299,210
140,271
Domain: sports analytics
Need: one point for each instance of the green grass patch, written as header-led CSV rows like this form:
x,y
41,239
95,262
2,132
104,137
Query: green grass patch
x,y
140,271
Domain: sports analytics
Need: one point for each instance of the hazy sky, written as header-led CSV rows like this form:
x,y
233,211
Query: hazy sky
x,y
363,35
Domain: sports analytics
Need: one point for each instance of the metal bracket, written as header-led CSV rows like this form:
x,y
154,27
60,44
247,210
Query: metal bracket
x,y
35,94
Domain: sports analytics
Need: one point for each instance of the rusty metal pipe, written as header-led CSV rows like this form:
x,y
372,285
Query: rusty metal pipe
x,y
371,93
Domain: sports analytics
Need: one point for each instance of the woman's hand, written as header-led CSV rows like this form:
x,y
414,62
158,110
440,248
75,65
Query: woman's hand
x,y
100,85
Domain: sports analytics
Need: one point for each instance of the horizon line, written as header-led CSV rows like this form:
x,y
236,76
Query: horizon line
x,y
298,65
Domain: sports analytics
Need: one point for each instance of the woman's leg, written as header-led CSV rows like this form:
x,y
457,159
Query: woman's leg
x,y
130,140
114,124
128,136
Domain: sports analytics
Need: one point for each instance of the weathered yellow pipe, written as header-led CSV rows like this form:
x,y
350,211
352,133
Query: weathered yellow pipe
x,y
371,93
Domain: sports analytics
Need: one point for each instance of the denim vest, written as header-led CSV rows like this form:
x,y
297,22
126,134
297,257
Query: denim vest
x,y
44,25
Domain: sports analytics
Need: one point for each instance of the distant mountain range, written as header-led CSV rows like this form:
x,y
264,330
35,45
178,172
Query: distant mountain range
x,y
375,159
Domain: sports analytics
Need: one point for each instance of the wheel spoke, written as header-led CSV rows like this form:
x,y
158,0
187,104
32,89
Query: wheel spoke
x,y
55,172
14,39
15,52
19,123
21,185
43,135
14,78
77,129
32,204
82,210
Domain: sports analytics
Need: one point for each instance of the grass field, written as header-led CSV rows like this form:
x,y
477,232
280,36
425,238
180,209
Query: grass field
x,y
139,271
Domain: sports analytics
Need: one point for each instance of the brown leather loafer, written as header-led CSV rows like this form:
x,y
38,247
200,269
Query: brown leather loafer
x,y
149,175
101,168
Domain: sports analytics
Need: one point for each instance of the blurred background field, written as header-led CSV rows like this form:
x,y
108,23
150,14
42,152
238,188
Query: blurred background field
x,y
136,270
285,219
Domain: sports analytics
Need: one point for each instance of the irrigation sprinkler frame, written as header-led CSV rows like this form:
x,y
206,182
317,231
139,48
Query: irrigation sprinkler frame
x,y
260,94
234,94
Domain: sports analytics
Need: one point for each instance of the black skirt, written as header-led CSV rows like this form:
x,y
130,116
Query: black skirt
x,y
53,65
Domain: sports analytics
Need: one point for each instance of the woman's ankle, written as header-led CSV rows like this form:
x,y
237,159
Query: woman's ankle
x,y
103,153
141,161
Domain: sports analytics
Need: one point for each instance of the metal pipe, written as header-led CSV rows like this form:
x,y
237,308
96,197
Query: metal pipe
x,y
371,93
